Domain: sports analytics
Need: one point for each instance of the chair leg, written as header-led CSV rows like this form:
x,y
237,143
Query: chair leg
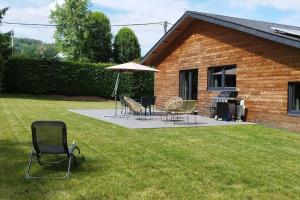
x,y
174,118
69,168
76,147
75,161
31,159
188,118
166,117
195,119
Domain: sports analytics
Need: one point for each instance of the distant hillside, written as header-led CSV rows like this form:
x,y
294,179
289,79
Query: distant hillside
x,y
31,48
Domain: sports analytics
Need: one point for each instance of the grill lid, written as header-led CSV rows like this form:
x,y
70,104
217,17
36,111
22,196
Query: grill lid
x,y
233,94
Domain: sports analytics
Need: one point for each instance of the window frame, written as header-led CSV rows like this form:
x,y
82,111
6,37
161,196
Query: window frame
x,y
290,98
209,74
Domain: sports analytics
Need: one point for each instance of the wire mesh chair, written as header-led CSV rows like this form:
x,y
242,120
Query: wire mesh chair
x,y
188,108
172,104
50,137
123,104
134,106
169,102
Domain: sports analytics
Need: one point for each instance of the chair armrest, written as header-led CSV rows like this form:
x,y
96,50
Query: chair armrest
x,y
73,145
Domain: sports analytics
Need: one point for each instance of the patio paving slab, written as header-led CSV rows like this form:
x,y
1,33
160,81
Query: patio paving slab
x,y
151,121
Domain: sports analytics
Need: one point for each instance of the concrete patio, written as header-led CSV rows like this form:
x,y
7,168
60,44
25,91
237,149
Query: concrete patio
x,y
134,121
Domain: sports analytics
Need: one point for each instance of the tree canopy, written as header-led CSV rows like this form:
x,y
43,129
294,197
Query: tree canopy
x,y
126,46
4,48
82,35
30,48
98,46
127,49
71,30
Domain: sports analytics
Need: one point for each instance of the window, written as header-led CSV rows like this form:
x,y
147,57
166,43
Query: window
x,y
294,98
222,77
188,84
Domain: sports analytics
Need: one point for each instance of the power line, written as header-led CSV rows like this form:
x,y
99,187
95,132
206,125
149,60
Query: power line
x,y
55,25
19,26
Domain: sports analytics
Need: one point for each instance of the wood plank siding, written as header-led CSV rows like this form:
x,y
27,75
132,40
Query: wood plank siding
x,y
264,69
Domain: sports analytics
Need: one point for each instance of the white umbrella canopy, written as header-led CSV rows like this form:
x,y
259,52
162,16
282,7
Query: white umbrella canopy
x,y
131,66
127,67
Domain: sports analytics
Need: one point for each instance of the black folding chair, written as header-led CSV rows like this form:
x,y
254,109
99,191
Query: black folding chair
x,y
146,102
50,137
153,99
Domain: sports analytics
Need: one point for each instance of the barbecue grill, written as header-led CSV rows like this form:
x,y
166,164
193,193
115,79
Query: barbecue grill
x,y
226,105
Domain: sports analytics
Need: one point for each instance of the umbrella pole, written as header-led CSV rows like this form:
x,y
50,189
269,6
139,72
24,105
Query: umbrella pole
x,y
115,93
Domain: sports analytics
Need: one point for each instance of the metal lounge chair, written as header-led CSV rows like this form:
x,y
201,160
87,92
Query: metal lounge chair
x,y
50,137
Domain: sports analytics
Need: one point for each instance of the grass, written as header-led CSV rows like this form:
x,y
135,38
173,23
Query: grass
x,y
234,162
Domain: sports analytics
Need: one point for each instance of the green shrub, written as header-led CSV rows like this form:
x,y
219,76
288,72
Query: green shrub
x,y
67,78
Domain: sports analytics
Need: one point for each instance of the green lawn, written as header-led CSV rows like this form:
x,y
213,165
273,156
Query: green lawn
x,y
238,162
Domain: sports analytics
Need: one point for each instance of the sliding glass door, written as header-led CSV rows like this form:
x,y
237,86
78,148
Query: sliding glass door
x,y
188,84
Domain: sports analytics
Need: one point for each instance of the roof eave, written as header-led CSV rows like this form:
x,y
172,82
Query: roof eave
x,y
246,29
170,31
223,23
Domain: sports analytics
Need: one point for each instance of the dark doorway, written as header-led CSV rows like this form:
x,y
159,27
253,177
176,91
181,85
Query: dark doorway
x,y
188,84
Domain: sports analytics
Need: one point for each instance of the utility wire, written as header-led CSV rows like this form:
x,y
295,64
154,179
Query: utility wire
x,y
55,25
19,26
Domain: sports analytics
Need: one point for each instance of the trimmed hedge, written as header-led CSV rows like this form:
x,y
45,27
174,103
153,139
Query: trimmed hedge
x,y
67,78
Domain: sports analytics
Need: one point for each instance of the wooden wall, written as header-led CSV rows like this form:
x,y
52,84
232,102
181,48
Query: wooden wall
x,y
264,69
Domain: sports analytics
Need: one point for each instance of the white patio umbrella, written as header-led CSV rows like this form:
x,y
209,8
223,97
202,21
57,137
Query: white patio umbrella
x,y
126,67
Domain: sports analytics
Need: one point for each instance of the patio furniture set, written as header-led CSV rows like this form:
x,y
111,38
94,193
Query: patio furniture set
x,y
172,109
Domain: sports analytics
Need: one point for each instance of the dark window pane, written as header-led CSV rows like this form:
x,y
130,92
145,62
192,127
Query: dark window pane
x,y
230,77
195,85
222,77
216,77
186,86
295,97
189,84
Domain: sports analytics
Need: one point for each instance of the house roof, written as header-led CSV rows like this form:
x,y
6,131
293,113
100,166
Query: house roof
x,y
270,31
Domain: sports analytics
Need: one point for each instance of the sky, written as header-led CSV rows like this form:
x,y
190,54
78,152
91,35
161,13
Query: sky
x,y
143,11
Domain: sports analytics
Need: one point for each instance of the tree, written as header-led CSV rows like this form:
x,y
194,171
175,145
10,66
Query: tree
x,y
126,46
127,49
71,31
34,49
98,46
49,51
4,48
